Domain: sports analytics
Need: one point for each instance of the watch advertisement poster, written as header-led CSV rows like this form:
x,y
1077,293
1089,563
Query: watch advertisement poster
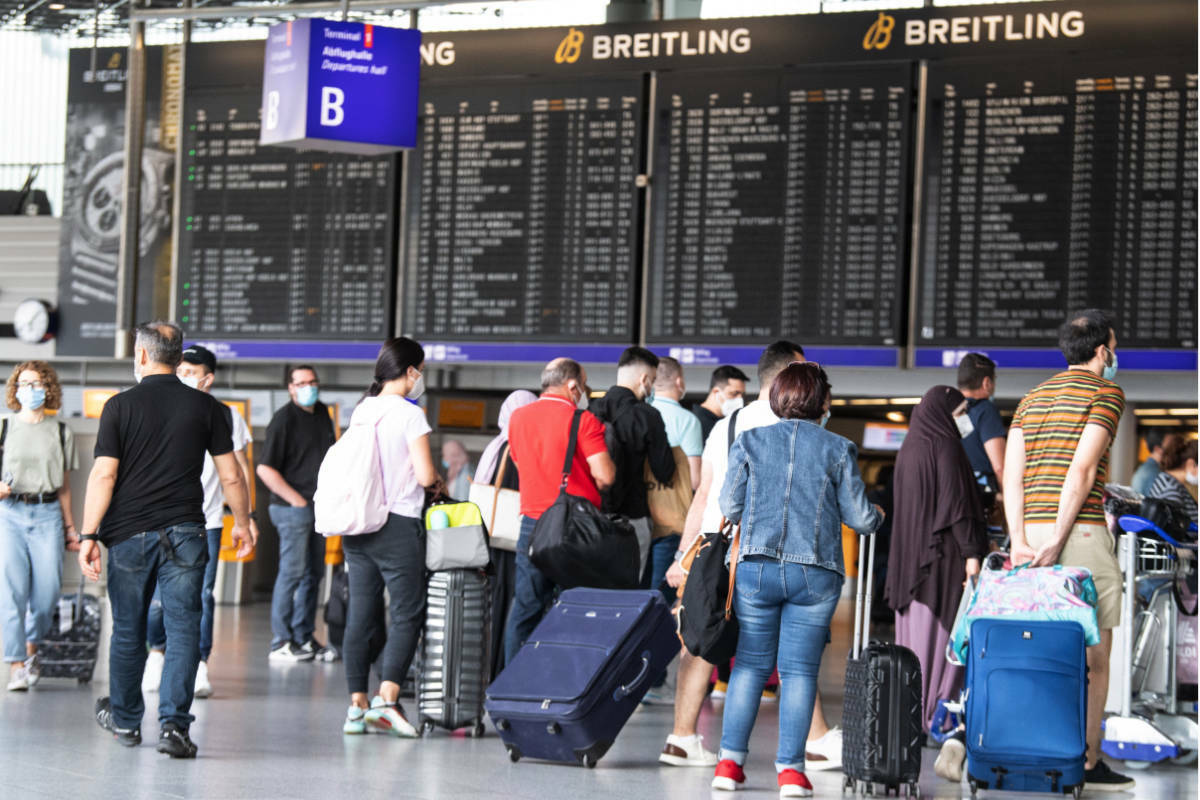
x,y
93,193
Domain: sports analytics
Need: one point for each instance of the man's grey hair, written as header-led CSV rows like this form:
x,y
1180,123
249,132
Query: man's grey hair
x,y
559,371
162,341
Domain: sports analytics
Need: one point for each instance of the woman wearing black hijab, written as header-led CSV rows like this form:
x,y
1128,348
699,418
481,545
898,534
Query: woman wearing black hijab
x,y
939,536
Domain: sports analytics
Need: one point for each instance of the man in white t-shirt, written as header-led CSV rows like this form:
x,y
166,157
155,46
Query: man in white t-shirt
x,y
198,370
684,746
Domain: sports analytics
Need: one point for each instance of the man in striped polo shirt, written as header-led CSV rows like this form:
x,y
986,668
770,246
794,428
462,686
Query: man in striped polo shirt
x,y
1055,468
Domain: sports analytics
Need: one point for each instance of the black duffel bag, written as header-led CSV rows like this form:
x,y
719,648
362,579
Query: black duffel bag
x,y
574,544
707,625
1170,516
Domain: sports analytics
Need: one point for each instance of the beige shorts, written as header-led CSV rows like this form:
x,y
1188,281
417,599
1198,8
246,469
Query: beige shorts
x,y
1090,545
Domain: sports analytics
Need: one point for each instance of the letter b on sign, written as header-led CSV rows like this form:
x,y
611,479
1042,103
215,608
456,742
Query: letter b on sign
x,y
272,110
332,100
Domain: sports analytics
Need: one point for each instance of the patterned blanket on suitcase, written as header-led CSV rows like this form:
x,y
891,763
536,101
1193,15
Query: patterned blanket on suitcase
x,y
1046,594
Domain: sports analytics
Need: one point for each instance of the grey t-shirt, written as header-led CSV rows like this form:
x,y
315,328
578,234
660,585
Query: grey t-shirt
x,y
33,455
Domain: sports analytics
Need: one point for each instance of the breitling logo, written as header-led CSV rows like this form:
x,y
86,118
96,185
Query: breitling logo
x,y
570,48
879,35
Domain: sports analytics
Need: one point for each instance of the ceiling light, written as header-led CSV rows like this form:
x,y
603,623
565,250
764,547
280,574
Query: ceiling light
x,y
905,401
869,401
1182,412
1150,412
1174,423
56,6
897,416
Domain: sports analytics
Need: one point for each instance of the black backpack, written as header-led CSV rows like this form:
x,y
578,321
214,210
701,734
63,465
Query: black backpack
x,y
707,625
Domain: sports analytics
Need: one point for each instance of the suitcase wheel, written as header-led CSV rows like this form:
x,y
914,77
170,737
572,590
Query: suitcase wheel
x,y
914,791
974,788
1076,792
588,760
478,729
514,755
84,681
426,727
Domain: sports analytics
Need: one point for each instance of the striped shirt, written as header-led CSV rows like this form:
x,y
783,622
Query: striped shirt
x,y
1168,487
1052,418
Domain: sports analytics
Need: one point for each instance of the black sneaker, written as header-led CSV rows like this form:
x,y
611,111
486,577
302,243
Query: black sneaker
x,y
126,737
290,653
175,742
1102,778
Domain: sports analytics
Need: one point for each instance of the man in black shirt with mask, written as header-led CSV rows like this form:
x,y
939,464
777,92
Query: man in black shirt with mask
x,y
145,503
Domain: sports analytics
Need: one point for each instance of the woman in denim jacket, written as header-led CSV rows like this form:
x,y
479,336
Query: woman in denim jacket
x,y
792,485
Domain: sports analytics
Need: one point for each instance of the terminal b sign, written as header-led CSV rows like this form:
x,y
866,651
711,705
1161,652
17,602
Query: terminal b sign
x,y
346,87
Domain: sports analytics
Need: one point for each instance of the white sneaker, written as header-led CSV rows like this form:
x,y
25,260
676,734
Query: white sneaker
x,y
152,675
33,668
203,687
389,718
686,751
824,753
18,679
949,764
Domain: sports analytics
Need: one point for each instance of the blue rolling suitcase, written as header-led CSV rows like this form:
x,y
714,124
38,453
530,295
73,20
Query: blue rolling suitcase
x,y
1026,706
582,672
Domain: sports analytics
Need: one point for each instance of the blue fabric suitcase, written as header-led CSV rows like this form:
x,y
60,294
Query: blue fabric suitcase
x,y
584,669
1026,705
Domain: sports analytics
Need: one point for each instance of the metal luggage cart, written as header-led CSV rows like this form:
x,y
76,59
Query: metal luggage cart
x,y
1153,725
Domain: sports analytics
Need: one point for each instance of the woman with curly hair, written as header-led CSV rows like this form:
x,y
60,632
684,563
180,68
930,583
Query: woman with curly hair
x,y
36,453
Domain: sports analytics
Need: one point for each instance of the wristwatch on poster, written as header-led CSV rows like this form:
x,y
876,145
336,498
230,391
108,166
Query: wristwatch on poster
x,y
96,235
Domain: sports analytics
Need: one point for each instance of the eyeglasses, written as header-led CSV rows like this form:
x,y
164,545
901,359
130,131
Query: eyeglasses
x,y
30,385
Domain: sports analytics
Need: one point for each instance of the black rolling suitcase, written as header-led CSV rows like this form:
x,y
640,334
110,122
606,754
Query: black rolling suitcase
x,y
70,646
881,719
455,657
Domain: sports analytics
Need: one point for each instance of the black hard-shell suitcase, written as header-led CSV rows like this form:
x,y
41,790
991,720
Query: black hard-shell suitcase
x,y
70,646
582,672
455,662
882,733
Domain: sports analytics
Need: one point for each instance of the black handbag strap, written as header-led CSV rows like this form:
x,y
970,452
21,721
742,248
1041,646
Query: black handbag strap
x,y
571,443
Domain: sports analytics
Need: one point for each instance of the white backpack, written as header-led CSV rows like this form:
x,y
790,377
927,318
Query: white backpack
x,y
350,497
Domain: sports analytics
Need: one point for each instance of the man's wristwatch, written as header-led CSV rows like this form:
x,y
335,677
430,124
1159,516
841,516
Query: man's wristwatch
x,y
89,537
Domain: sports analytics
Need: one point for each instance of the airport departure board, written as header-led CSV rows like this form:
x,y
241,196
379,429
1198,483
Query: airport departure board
x,y
779,206
275,243
1056,187
523,212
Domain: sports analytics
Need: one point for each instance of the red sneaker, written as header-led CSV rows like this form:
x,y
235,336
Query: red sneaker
x,y
729,776
794,784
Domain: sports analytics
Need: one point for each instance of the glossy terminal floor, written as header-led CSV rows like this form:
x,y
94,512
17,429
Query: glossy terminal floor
x,y
275,732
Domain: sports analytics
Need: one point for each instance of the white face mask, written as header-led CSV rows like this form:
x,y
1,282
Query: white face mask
x,y
965,426
731,405
418,388
1193,478
582,402
190,381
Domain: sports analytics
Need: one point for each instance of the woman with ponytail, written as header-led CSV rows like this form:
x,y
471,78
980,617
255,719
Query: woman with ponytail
x,y
394,556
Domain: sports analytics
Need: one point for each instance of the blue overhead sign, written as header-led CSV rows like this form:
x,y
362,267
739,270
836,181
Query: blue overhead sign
x,y
341,86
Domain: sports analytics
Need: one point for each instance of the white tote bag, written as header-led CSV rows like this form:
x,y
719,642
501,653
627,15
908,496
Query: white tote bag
x,y
501,508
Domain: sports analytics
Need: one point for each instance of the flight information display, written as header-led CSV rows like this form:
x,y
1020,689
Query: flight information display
x,y
522,216
275,243
779,206
1057,187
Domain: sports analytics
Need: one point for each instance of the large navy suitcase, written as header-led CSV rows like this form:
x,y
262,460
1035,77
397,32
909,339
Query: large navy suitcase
x,y
1013,667
881,714
584,669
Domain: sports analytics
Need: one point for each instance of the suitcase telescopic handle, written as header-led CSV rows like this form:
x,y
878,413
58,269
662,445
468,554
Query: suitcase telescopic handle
x,y
864,594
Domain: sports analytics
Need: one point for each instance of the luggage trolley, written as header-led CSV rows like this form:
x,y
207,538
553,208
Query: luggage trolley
x,y
1153,725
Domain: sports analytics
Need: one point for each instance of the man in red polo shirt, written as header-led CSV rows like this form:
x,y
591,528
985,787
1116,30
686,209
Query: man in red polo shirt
x,y
537,436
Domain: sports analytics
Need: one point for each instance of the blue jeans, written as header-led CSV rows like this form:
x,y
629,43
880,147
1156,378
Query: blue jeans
x,y
301,565
662,556
172,559
31,556
783,612
532,592
156,632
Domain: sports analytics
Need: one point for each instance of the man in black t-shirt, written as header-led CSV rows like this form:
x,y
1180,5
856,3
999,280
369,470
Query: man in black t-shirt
x,y
983,431
145,503
297,438
726,390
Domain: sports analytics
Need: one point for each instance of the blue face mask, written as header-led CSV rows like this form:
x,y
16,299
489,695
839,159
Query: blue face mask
x,y
825,419
1110,369
31,399
307,395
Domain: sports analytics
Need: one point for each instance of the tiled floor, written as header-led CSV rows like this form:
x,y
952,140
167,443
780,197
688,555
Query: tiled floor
x,y
275,732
